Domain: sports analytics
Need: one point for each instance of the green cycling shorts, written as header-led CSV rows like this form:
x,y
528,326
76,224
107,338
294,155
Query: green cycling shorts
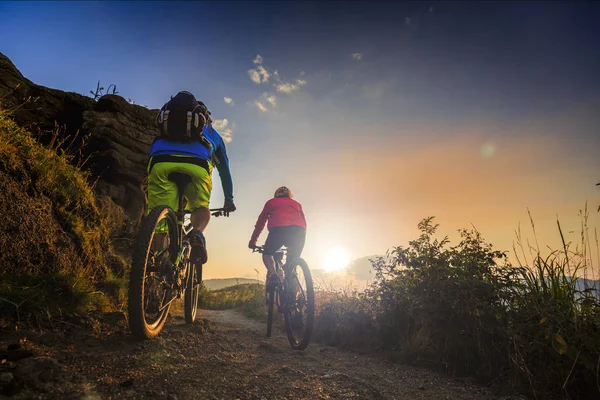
x,y
163,192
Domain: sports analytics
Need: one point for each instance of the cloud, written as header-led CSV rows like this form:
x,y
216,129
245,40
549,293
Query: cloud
x,y
222,126
287,87
266,102
228,100
357,56
265,75
258,60
260,106
271,99
259,75
254,75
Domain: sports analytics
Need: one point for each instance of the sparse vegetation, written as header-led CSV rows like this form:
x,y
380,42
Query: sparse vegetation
x,y
466,310
99,92
56,252
230,297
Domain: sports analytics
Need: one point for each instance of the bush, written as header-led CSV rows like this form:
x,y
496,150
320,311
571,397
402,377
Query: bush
x,y
444,305
347,320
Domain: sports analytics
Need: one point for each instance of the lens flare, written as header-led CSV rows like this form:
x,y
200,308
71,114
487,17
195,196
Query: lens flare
x,y
336,259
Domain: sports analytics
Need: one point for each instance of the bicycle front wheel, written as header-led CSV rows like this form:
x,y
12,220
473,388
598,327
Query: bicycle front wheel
x,y
299,304
152,269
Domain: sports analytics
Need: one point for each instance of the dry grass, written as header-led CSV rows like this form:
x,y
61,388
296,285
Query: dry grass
x,y
56,251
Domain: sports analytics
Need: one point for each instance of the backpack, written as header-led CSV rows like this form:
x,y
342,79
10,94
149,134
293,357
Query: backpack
x,y
183,119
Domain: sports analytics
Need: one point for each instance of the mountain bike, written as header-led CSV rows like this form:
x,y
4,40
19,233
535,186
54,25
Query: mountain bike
x,y
294,297
161,271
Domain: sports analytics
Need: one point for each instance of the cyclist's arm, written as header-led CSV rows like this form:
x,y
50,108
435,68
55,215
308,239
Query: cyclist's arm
x,y
223,167
260,223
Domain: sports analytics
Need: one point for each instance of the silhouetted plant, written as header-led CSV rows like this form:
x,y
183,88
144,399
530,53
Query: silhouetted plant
x,y
114,89
98,93
100,89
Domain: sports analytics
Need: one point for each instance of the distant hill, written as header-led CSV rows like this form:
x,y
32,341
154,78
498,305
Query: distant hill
x,y
588,284
216,284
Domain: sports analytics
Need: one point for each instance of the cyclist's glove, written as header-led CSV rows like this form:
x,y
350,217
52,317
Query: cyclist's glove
x,y
229,207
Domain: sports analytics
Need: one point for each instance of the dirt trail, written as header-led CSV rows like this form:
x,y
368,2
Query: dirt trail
x,y
226,356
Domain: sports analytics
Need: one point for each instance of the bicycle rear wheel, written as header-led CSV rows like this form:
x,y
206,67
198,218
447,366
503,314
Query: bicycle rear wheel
x,y
299,304
192,289
151,277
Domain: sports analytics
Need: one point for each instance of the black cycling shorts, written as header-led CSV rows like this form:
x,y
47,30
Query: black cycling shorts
x,y
292,237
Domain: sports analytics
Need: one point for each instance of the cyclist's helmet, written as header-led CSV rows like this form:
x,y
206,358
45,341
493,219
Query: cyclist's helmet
x,y
283,192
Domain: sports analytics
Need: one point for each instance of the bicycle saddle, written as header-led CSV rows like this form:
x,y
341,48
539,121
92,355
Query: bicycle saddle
x,y
180,179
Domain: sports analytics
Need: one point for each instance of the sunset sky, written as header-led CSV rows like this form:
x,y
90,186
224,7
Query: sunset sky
x,y
374,114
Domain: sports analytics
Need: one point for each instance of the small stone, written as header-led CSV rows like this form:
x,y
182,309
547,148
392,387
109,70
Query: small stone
x,y
46,375
269,347
17,354
127,383
34,371
6,378
421,387
171,397
176,333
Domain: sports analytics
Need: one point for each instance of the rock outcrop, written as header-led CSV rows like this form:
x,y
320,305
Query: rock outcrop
x,y
120,134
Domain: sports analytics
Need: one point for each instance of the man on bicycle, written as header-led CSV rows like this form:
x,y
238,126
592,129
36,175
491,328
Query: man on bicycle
x,y
286,225
188,144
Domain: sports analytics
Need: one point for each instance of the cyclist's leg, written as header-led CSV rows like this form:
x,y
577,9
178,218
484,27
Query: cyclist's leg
x,y
161,192
197,195
273,243
294,240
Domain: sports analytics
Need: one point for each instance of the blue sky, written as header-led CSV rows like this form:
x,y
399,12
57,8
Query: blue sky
x,y
377,114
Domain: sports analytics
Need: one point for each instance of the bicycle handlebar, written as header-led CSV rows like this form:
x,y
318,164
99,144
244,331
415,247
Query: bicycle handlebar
x,y
258,249
215,212
219,212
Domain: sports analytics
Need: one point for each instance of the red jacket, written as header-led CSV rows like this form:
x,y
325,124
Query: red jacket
x,y
279,211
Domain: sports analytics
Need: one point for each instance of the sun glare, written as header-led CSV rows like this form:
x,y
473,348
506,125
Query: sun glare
x,y
336,259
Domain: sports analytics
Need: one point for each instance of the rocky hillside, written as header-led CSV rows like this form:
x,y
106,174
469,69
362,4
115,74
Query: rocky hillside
x,y
56,253
118,134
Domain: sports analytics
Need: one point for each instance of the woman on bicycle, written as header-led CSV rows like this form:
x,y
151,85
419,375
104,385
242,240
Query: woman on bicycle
x,y
286,226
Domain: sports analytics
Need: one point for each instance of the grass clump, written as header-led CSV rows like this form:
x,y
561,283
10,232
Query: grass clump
x,y
56,250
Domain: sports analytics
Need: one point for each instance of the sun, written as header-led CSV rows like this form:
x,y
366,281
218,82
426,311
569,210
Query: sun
x,y
336,259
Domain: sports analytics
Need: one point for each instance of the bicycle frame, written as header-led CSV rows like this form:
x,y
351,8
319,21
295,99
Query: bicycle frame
x,y
279,264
